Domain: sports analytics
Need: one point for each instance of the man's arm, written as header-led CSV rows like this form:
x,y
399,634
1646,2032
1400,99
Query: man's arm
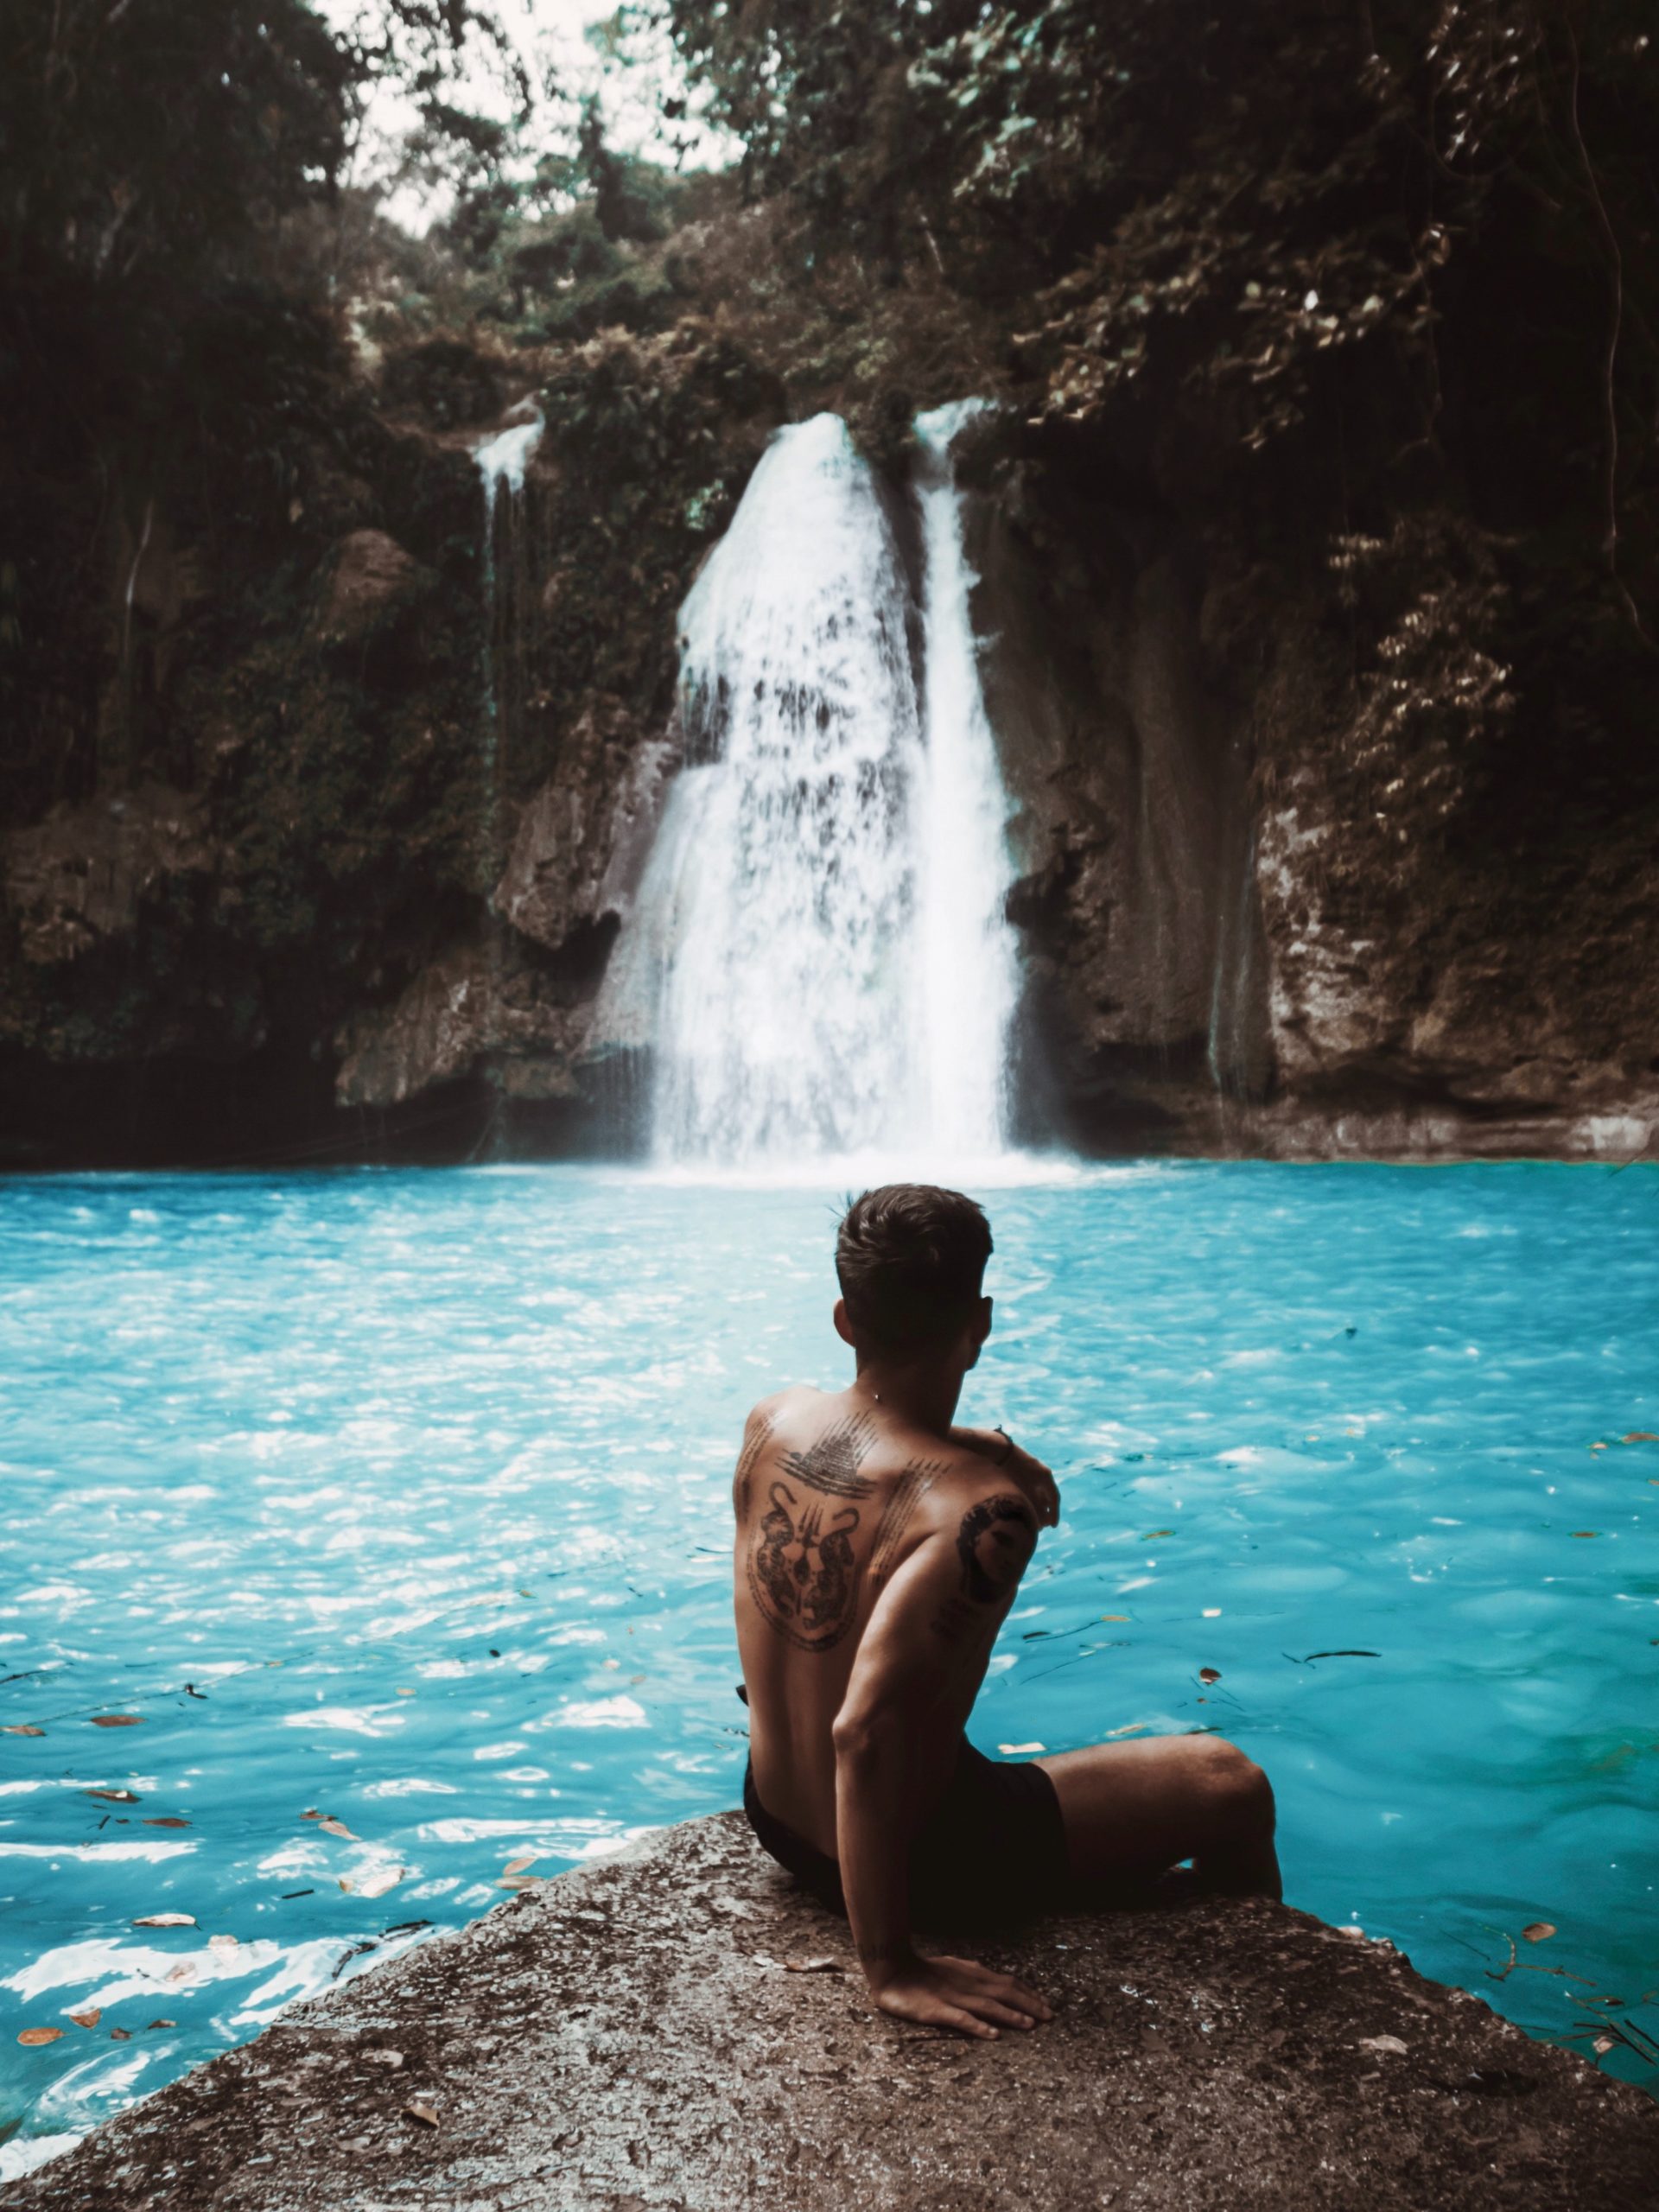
x,y
919,1663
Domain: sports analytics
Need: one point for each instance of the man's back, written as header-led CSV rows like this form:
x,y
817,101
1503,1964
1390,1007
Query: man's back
x,y
834,1496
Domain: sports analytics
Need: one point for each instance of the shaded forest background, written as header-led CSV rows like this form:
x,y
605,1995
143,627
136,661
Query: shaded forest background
x,y
1355,306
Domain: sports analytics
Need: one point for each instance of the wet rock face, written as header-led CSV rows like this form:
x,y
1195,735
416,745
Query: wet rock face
x,y
1222,951
629,2037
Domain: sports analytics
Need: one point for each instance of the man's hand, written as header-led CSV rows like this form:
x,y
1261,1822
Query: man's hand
x,y
954,1993
1036,1482
1030,1477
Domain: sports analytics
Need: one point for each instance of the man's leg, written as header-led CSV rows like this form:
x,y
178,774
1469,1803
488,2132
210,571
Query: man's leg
x,y
1133,1809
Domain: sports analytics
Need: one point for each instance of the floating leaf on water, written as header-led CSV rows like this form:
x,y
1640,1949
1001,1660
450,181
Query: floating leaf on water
x,y
162,2023
517,1866
183,1970
166,1920
423,2113
311,1814
164,1821
379,1880
223,1944
1209,1674
1539,1932
1017,1750
812,1966
120,2035
88,2019
1587,1532
1641,1436
114,1796
1212,1613
331,1827
22,1728
1113,1616
406,1693
1152,1534
1383,2043
1128,1728
1602,2044
117,1720
33,2035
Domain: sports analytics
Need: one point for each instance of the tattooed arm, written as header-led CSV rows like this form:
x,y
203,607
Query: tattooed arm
x,y
919,1664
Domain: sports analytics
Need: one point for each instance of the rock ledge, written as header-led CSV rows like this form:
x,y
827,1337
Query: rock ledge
x,y
627,2036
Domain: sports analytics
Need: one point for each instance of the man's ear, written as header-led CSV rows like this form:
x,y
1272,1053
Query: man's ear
x,y
978,1329
843,1326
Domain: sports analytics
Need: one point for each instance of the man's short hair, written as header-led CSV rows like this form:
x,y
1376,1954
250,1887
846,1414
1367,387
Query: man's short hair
x,y
910,1258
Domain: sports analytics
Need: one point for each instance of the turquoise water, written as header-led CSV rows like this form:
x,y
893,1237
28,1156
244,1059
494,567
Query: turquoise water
x,y
401,1498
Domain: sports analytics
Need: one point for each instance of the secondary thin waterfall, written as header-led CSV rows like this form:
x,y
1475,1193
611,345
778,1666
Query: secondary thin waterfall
x,y
818,962
501,464
969,976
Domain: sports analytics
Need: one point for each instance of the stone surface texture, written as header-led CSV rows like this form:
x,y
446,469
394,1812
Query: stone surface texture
x,y
630,2035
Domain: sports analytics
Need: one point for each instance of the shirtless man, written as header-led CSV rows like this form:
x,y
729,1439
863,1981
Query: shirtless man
x,y
879,1549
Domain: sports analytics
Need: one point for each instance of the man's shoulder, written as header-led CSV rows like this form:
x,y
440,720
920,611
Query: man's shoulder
x,y
765,1412
957,1484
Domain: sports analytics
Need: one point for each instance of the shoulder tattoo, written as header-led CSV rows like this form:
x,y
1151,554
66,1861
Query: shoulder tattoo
x,y
995,1544
753,1445
906,1495
994,1540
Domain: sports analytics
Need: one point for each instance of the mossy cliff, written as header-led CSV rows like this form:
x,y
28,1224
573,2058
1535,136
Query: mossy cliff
x,y
1316,539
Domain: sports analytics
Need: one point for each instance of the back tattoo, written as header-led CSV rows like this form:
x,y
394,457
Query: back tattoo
x,y
802,1571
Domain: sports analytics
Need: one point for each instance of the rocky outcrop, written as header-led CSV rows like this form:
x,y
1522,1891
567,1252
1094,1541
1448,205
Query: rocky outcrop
x,y
82,877
1225,949
375,584
631,2036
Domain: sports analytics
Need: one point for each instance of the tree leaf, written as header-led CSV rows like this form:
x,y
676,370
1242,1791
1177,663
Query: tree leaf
x,y
1641,1436
117,1720
22,1728
166,1920
88,2019
224,1945
120,2035
33,2035
331,1827
163,2024
165,1821
114,1796
517,1866
379,1880
1209,1674
1540,1931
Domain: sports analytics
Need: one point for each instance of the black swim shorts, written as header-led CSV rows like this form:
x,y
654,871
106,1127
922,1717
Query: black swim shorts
x,y
992,1850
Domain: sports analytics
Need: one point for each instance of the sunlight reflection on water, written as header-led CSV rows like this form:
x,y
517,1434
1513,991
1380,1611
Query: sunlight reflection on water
x,y
400,1499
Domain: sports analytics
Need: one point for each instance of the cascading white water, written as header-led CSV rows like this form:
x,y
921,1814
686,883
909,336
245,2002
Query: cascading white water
x,y
969,980
818,961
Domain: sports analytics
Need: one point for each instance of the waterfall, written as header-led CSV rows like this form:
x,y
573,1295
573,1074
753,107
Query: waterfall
x,y
501,463
969,976
818,962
